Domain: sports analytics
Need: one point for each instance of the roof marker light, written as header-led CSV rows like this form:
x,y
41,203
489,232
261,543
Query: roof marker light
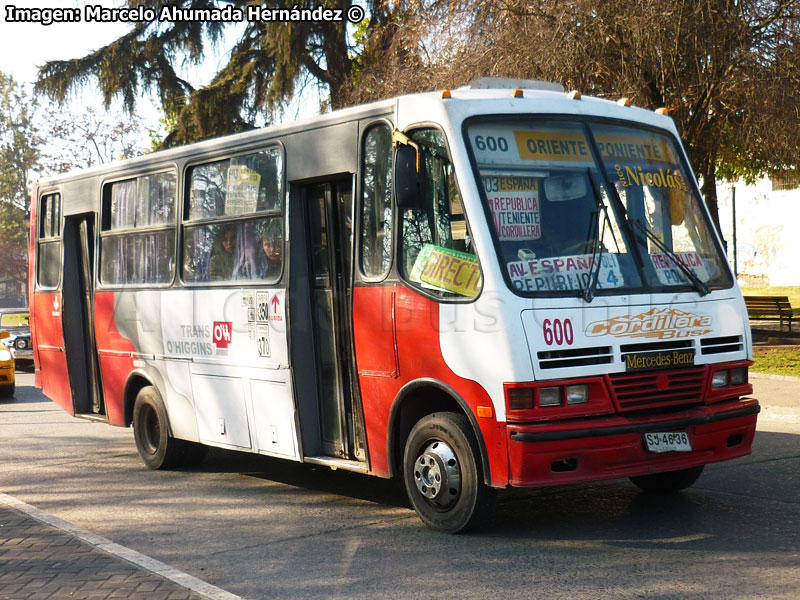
x,y
575,95
518,93
624,101
445,94
662,111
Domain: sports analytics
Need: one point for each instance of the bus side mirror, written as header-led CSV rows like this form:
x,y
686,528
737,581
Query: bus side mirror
x,y
408,183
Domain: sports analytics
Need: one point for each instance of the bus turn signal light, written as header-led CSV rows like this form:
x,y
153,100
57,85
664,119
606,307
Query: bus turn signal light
x,y
485,412
520,398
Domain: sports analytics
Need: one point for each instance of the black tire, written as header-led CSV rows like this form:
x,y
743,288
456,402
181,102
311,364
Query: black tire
x,y
158,449
668,482
7,391
444,445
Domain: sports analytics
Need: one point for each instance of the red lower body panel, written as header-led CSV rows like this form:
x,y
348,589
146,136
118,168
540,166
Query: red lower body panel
x,y
612,447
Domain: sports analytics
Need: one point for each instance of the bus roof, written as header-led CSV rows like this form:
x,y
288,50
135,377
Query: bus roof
x,y
485,96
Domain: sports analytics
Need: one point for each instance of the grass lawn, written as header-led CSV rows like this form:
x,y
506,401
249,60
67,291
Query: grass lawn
x,y
778,361
793,292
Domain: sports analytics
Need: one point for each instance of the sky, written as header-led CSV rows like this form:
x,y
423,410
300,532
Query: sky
x,y
26,46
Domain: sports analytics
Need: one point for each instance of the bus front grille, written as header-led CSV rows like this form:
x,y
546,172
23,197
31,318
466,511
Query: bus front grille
x,y
636,391
575,357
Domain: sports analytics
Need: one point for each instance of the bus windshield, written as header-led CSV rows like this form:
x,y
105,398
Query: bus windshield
x,y
578,208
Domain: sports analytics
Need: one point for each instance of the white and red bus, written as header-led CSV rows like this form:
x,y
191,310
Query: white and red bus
x,y
495,286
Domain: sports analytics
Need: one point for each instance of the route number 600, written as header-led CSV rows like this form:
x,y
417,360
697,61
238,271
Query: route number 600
x,y
558,332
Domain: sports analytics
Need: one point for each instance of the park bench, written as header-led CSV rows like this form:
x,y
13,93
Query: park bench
x,y
769,307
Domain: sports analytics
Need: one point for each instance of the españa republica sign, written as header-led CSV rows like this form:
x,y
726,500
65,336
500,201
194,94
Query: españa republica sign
x,y
514,202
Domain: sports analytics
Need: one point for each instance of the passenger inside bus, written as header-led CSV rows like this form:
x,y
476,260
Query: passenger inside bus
x,y
223,255
268,264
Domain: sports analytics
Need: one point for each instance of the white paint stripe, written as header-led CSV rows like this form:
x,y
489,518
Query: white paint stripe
x,y
137,558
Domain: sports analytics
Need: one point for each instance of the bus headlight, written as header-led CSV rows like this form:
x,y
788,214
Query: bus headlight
x,y
720,379
550,396
577,394
739,376
528,402
5,355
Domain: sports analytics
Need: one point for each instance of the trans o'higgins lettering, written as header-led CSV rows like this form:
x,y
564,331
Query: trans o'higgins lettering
x,y
659,323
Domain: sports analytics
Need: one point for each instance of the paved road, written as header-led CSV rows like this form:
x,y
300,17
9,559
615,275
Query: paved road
x,y
263,528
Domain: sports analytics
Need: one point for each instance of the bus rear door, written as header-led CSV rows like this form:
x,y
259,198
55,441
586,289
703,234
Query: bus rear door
x,y
327,212
78,315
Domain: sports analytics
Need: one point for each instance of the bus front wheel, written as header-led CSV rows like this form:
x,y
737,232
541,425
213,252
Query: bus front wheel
x,y
668,482
442,473
158,449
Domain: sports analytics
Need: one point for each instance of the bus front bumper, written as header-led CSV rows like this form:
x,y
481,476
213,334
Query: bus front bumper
x,y
611,447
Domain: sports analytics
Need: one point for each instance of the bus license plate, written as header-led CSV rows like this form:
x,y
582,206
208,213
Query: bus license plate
x,y
668,442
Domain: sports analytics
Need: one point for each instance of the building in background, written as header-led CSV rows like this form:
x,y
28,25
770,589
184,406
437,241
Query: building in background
x,y
766,240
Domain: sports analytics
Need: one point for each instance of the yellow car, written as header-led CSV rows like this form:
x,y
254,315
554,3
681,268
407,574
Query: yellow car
x,y
6,369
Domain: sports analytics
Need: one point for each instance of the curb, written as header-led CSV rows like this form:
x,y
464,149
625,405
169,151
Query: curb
x,y
757,375
142,561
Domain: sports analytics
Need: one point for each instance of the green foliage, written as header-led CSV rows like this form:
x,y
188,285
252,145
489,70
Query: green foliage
x,y
264,65
19,142
777,361
19,151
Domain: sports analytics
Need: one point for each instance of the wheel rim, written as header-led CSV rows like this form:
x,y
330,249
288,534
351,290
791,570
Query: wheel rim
x,y
437,475
150,430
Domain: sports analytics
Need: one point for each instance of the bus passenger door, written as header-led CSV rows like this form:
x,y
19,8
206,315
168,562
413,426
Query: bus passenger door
x,y
329,244
78,317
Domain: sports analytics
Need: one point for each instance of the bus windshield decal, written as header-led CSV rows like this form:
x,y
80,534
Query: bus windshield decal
x,y
669,273
446,269
552,146
569,273
514,202
242,190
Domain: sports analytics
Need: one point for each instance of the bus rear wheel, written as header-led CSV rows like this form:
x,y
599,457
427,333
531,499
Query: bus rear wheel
x,y
442,473
668,482
158,449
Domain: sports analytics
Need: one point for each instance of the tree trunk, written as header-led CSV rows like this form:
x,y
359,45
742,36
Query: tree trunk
x,y
709,191
338,64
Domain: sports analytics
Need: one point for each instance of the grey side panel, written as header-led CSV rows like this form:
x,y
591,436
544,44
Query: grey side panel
x,y
81,196
239,141
322,152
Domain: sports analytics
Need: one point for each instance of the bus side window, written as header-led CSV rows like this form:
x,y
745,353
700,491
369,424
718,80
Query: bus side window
x,y
137,240
49,247
436,251
243,195
376,202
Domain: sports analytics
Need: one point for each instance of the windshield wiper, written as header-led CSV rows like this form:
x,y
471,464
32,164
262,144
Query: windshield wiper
x,y
597,232
701,287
